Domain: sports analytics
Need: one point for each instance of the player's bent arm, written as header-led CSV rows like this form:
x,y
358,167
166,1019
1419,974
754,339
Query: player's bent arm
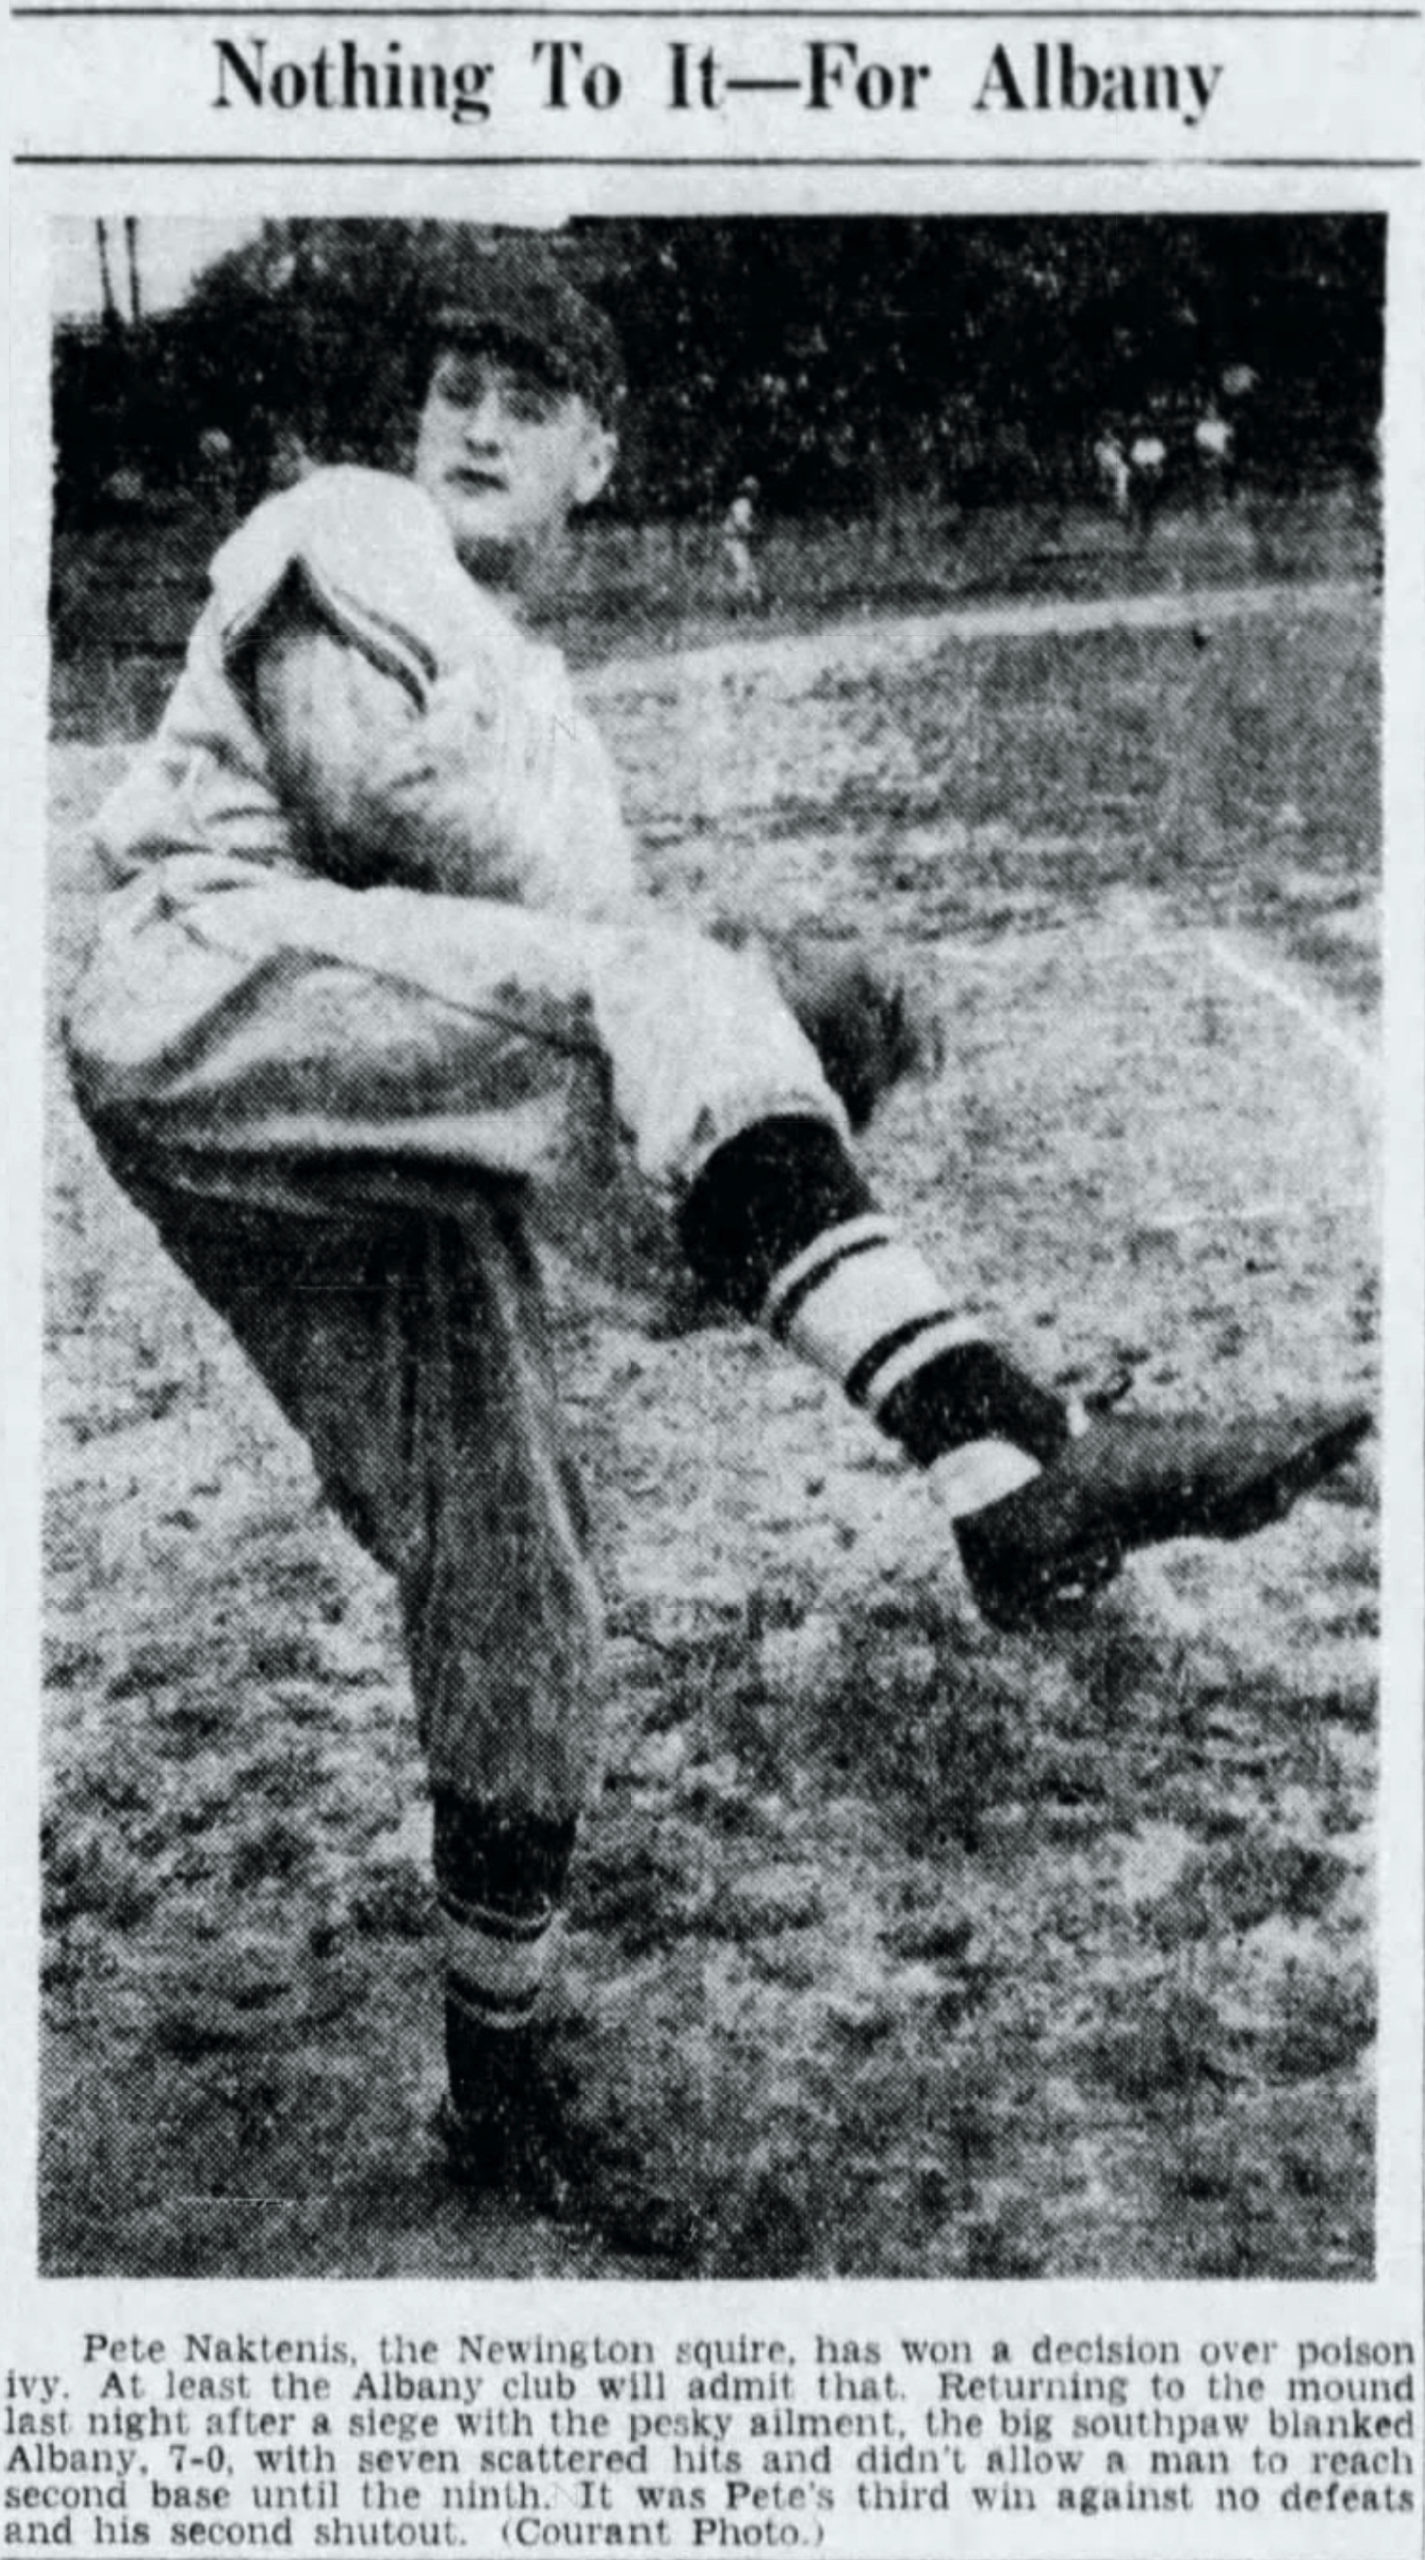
x,y
386,791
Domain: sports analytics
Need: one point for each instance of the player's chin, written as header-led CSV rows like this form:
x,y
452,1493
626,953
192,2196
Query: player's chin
x,y
478,514
492,559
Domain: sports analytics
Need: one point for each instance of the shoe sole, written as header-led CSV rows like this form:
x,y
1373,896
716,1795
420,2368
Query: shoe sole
x,y
1270,1496
1068,1586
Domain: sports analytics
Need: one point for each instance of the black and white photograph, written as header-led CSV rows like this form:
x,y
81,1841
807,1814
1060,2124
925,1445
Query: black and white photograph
x,y
712,1595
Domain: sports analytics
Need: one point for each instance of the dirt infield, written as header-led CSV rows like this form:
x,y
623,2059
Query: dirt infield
x,y
893,1948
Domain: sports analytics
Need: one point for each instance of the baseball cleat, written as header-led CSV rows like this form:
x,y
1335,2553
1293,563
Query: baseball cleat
x,y
514,2152
544,2154
1136,1480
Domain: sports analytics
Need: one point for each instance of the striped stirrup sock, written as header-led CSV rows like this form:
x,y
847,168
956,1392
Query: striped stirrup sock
x,y
499,1880
781,1225
495,1962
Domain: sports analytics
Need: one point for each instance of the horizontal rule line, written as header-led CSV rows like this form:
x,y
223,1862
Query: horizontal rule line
x,y
679,160
735,16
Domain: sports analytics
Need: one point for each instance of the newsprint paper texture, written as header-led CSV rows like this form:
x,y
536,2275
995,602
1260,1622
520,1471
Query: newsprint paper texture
x,y
619,1938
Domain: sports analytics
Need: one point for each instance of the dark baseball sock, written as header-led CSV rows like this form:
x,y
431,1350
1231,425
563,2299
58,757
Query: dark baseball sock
x,y
499,1882
761,1200
780,1225
972,1392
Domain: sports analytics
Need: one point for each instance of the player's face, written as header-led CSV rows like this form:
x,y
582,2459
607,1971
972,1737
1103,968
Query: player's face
x,y
506,455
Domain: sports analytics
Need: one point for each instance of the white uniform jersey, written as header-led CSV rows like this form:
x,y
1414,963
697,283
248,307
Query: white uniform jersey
x,y
497,784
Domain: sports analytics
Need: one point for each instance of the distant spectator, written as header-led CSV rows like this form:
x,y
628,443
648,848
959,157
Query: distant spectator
x,y
1111,469
1147,466
289,461
739,527
1212,448
125,490
217,476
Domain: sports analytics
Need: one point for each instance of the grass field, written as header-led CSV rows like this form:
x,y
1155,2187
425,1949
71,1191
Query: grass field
x,y
894,1948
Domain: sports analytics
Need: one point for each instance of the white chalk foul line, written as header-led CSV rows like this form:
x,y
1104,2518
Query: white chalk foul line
x,y
1141,916
1323,1026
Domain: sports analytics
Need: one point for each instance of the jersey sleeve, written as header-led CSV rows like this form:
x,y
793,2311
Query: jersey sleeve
x,y
369,552
414,732
386,789
482,788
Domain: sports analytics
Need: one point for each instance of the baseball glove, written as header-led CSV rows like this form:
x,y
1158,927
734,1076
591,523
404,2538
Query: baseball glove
x,y
868,1027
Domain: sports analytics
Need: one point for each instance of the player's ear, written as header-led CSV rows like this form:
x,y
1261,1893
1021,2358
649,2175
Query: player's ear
x,y
594,468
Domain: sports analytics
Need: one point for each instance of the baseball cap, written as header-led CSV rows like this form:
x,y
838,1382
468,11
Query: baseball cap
x,y
511,296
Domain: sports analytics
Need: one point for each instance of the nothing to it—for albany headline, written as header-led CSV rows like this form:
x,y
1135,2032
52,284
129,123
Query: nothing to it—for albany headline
x,y
817,74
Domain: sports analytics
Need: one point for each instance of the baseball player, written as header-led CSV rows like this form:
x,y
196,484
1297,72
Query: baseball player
x,y
376,991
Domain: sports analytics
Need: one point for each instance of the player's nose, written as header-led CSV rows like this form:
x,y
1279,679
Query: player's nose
x,y
484,420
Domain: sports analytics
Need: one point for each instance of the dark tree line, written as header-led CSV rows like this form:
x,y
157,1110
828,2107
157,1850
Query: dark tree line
x,y
839,360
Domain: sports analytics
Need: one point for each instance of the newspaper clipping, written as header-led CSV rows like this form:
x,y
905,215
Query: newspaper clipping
x,y
716,1107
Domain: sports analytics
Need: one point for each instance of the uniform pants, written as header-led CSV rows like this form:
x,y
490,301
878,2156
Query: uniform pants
x,y
412,1351
346,1113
